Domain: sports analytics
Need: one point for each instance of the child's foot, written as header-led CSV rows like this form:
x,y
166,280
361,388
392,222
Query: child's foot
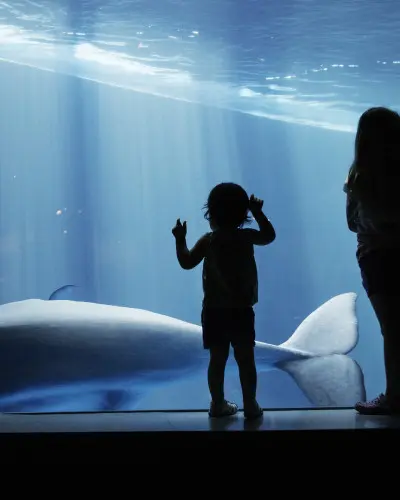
x,y
224,409
253,410
378,406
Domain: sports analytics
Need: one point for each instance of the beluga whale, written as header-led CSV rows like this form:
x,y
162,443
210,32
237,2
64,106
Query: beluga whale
x,y
66,355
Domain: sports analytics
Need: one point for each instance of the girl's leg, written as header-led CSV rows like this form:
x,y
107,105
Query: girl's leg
x,y
387,308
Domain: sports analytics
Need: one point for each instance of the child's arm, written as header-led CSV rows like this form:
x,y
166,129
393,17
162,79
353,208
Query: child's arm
x,y
266,234
188,259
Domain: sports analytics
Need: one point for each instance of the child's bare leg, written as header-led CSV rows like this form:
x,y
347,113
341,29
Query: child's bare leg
x,y
247,372
244,356
216,372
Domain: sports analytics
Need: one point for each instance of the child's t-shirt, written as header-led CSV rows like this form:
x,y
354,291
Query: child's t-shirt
x,y
230,270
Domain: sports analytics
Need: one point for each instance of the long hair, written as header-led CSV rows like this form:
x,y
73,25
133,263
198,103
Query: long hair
x,y
227,206
374,177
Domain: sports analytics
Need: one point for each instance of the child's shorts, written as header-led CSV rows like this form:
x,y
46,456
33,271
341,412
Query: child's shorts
x,y
380,272
224,326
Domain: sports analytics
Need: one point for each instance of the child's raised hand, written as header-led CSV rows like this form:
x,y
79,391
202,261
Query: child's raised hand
x,y
255,205
180,230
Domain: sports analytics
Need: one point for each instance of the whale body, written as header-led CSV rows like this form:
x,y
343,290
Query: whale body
x,y
66,354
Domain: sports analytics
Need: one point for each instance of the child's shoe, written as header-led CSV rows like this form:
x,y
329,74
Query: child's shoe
x,y
253,410
225,409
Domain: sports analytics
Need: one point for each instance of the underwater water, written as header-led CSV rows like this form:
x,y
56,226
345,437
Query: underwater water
x,y
119,117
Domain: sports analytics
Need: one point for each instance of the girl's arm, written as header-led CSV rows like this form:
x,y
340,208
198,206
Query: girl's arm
x,y
351,208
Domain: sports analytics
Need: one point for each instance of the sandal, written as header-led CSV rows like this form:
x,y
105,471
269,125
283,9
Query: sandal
x,y
225,409
253,411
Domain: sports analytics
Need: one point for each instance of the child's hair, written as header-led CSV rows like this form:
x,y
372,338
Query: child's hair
x,y
227,206
375,171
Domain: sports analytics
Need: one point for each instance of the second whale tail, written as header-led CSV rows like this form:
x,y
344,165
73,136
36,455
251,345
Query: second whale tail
x,y
328,377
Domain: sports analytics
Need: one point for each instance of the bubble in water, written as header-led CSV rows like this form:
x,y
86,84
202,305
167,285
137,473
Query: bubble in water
x,y
65,231
59,212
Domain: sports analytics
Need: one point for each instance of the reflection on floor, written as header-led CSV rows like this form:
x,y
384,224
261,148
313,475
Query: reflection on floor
x,y
90,436
283,420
